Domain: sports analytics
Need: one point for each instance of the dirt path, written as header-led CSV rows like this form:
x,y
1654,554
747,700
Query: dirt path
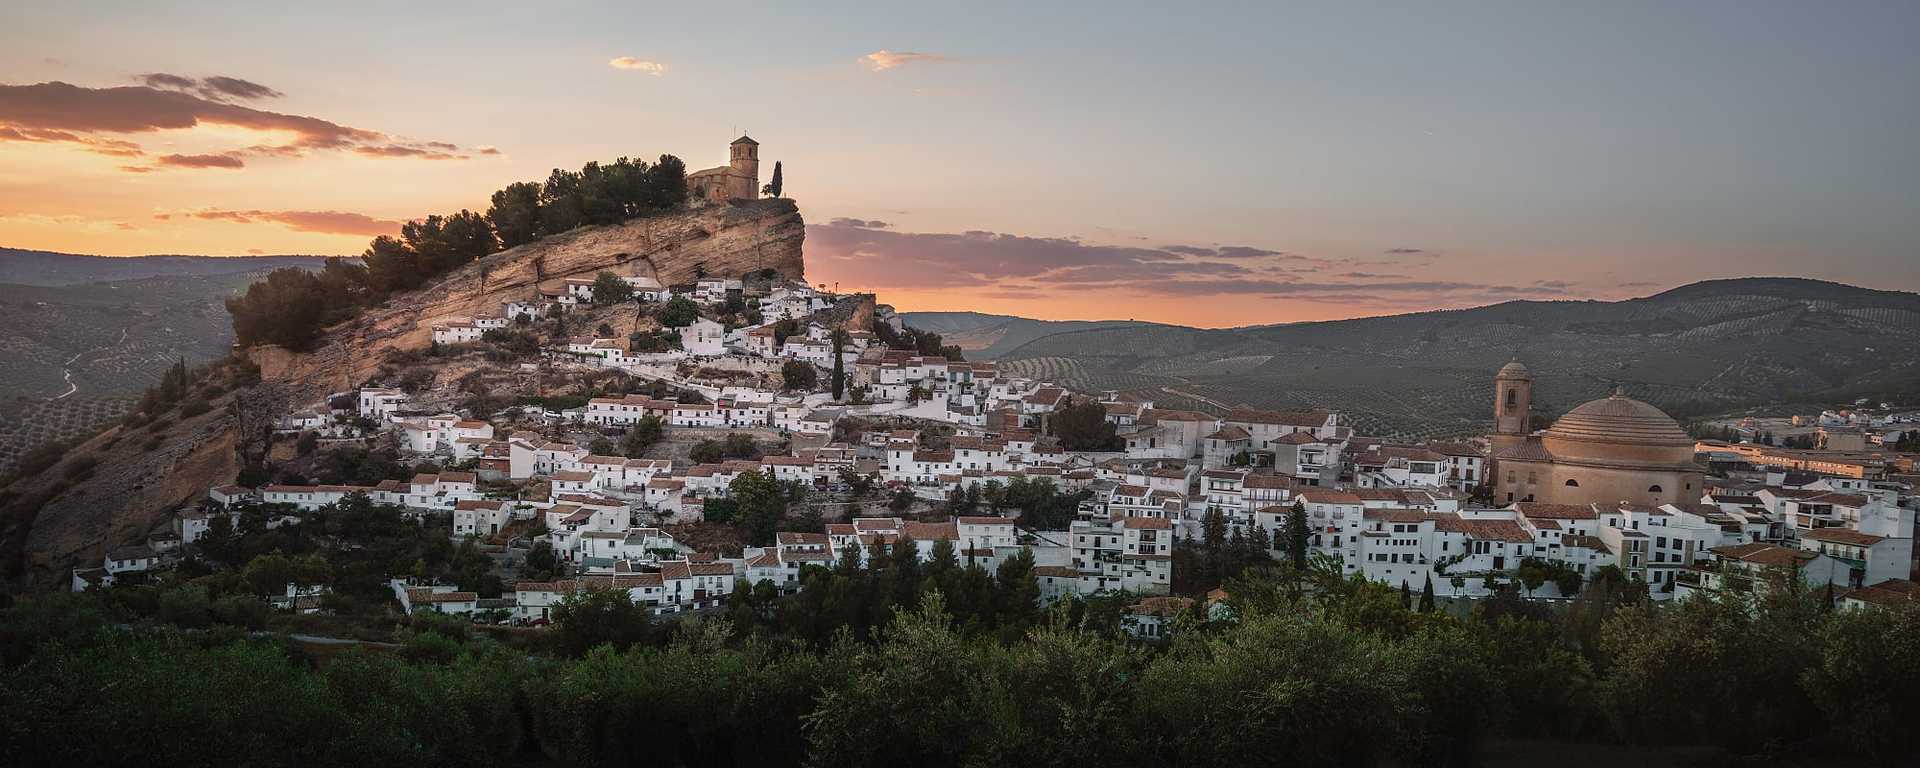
x,y
1208,400
66,370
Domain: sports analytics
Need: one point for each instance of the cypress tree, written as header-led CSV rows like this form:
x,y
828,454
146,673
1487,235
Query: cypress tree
x,y
772,189
839,344
1426,595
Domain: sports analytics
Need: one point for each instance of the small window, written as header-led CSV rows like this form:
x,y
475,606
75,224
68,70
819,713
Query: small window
x,y
1653,489
1571,483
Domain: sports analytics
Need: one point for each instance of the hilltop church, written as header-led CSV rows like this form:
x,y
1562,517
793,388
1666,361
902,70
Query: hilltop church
x,y
739,179
1607,451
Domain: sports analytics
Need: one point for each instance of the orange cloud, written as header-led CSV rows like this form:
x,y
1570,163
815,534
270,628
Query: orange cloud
x,y
883,59
322,222
221,160
638,65
57,111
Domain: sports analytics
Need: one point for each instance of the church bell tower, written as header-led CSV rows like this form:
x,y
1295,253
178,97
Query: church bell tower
x,y
745,160
1512,402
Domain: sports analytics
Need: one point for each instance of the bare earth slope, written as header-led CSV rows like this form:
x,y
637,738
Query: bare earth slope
x,y
134,488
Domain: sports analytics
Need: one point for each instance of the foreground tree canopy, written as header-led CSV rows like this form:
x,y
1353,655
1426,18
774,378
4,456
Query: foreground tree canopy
x,y
939,663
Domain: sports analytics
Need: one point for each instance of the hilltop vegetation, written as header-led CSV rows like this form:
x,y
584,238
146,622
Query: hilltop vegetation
x,y
291,306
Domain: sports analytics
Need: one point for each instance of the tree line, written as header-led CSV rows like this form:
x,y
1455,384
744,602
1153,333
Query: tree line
x,y
906,664
292,305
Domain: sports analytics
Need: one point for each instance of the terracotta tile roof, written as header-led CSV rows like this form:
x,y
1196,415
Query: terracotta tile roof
x,y
1537,509
1891,593
1485,529
1764,554
947,531
1163,607
1842,536
1146,523
1319,496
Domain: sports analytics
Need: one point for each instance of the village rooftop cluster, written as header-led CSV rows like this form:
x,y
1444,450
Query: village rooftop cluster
x,y
1613,486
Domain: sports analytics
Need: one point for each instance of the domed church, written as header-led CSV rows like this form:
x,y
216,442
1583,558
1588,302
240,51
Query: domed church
x,y
1606,451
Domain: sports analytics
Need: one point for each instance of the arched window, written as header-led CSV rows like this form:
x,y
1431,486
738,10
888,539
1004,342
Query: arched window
x,y
1511,397
1653,489
1571,483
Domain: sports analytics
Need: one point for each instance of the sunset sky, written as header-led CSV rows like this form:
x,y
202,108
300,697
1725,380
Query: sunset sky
x,y
1189,163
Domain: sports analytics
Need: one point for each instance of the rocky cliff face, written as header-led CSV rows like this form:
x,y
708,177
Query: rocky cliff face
x,y
134,488
729,240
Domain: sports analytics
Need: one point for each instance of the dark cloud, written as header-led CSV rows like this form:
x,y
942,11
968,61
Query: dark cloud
x,y
114,147
858,223
1014,266
1228,252
220,160
237,88
397,150
1405,251
217,87
862,255
76,112
324,222
168,82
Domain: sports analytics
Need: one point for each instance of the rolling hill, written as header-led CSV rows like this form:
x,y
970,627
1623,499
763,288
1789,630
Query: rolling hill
x,y
21,267
986,337
1699,348
86,334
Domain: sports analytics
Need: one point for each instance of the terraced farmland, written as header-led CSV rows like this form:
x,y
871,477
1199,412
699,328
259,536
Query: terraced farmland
x,y
1709,345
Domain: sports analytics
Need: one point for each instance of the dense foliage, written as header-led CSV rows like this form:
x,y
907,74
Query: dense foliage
x,y
939,663
1082,426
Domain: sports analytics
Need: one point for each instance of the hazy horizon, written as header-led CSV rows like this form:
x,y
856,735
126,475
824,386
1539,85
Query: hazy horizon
x,y
1207,166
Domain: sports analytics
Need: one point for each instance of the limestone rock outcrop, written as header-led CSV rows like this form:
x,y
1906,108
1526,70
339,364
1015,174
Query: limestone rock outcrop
x,y
142,475
723,240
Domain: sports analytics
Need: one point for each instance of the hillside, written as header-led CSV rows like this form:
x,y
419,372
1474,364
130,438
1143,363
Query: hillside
x,y
76,353
141,475
985,337
24,267
1696,348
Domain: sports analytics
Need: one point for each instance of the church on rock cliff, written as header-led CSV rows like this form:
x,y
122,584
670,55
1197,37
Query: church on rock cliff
x,y
739,179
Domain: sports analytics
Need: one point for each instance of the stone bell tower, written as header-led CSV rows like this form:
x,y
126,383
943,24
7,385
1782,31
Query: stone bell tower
x,y
745,160
1512,403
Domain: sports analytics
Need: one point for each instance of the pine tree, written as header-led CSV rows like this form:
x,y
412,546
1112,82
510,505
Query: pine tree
x,y
772,189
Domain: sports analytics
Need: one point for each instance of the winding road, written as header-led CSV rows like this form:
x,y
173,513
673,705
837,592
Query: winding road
x,y
66,370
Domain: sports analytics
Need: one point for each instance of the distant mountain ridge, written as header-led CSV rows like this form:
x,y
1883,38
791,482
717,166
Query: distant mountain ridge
x,y
1700,347
25,267
984,336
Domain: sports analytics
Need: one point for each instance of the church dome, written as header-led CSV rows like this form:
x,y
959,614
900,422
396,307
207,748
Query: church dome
x,y
1619,429
1513,370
